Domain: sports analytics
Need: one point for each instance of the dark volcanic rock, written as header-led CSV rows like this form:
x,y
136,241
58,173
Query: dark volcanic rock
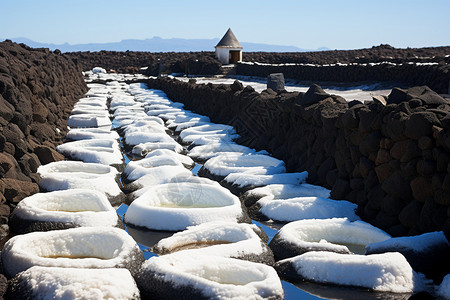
x,y
37,92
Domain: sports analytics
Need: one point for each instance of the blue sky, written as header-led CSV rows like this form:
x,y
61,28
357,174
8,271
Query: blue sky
x,y
336,24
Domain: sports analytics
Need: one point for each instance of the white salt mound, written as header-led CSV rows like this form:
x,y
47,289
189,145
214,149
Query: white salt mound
x,y
82,247
78,206
330,234
63,175
217,277
103,151
300,208
175,206
226,239
232,162
76,134
72,283
387,272
419,243
245,179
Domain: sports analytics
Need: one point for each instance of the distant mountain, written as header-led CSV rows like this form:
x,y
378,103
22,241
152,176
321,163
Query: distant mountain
x,y
157,44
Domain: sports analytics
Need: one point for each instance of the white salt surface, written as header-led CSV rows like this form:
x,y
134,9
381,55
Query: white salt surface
x,y
145,148
82,247
209,138
87,109
103,151
207,129
387,272
244,179
330,234
154,124
78,206
417,243
144,183
175,206
158,175
300,208
224,239
77,134
218,277
88,120
72,283
63,175
136,169
233,162
211,150
137,137
444,288
162,153
285,191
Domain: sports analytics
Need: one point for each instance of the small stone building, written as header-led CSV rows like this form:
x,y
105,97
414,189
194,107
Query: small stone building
x,y
229,50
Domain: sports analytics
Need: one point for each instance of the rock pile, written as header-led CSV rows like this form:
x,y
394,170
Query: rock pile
x,y
37,91
392,160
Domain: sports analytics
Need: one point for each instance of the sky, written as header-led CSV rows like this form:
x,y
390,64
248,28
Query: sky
x,y
336,24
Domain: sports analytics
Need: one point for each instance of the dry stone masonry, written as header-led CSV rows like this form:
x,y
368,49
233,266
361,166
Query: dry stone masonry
x,y
392,160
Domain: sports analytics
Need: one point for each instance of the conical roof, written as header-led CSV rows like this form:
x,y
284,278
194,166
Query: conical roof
x,y
229,40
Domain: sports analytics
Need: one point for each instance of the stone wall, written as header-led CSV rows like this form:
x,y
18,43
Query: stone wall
x,y
436,76
392,160
37,91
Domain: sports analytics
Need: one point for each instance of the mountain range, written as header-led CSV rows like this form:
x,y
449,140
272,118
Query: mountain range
x,y
157,44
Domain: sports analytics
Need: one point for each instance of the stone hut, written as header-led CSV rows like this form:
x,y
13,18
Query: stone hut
x,y
229,50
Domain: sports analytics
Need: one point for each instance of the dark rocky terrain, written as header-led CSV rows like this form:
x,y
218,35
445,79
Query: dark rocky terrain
x,y
375,54
37,91
157,63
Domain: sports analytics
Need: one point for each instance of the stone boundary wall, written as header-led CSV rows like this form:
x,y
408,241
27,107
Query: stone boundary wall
x,y
436,76
392,160
38,89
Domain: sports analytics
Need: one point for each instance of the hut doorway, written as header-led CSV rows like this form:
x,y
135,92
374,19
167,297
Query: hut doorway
x,y
235,56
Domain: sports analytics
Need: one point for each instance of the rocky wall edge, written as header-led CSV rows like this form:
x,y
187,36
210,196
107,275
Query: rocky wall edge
x,y
38,89
392,160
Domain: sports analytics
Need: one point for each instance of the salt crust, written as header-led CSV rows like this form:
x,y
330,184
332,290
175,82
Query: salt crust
x,y
77,134
218,277
209,138
245,179
328,234
419,243
232,162
78,206
73,283
175,206
242,237
142,137
300,208
387,272
82,247
63,175
145,148
207,129
211,150
143,176
173,176
185,160
88,120
285,191
103,151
